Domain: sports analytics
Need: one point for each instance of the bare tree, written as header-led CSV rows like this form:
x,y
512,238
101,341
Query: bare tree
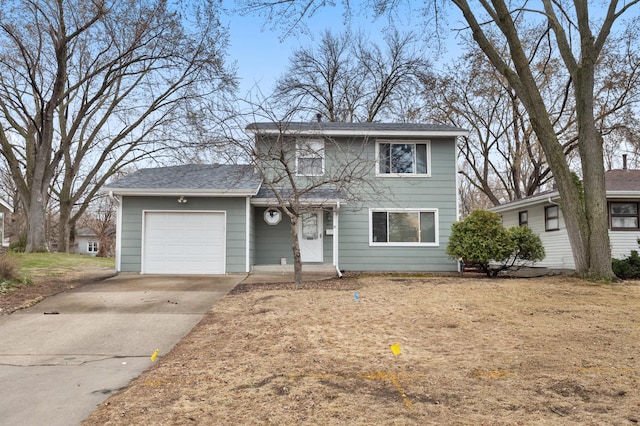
x,y
87,87
303,169
503,157
579,38
100,218
348,78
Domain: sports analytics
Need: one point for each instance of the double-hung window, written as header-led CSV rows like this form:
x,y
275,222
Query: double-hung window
x,y
523,218
310,157
551,218
92,247
404,227
624,215
404,158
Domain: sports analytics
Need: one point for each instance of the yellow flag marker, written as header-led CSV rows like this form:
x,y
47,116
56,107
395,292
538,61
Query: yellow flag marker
x,y
155,355
395,349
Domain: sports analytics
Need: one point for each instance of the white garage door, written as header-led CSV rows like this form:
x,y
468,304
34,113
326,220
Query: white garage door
x,y
183,243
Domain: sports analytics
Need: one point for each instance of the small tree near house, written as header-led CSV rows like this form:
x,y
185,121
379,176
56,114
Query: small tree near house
x,y
481,239
304,172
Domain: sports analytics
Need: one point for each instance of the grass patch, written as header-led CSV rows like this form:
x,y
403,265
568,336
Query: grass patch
x,y
44,264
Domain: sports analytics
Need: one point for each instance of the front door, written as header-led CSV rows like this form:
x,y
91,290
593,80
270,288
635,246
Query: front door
x,y
310,236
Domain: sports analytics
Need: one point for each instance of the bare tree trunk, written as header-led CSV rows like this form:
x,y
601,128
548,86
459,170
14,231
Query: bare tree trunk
x,y
64,227
591,150
295,246
36,240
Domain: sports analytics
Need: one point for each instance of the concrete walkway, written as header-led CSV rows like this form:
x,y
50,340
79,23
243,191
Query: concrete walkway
x,y
65,355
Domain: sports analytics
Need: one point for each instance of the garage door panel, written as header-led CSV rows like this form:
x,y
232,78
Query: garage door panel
x,y
184,243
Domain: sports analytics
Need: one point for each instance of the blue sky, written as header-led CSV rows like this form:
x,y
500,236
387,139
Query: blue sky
x,y
260,54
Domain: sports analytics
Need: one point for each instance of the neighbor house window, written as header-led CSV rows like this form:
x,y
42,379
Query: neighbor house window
x,y
523,218
403,158
310,157
404,227
92,247
624,215
551,218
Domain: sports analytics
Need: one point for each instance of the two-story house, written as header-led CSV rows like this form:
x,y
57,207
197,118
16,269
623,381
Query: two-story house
x,y
370,197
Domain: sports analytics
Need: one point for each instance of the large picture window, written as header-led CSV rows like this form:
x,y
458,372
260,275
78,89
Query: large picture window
x,y
310,157
403,158
624,215
404,227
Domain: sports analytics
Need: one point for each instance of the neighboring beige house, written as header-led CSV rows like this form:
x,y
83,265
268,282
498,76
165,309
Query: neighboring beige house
x,y
543,214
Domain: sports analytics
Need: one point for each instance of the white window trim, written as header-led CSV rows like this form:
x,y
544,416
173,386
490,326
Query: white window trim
x,y
404,210
298,142
427,142
91,244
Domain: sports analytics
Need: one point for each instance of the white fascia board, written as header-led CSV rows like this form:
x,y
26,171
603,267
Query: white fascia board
x,y
552,197
623,194
5,206
360,133
171,192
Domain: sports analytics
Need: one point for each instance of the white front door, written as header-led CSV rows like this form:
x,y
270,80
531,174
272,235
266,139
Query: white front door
x,y
310,236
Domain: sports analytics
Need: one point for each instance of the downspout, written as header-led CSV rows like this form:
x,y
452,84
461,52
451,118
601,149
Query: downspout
x,y
247,232
336,256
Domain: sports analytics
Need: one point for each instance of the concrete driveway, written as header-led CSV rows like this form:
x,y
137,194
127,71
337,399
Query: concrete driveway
x,y
63,356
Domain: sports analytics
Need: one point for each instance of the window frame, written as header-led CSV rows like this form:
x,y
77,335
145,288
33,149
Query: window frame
x,y
612,215
426,142
548,218
92,246
436,224
303,146
524,222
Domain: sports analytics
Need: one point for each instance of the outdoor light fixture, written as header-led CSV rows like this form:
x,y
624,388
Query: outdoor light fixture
x,y
182,200
272,216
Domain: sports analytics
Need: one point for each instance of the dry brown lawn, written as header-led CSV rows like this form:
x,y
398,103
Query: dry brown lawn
x,y
473,351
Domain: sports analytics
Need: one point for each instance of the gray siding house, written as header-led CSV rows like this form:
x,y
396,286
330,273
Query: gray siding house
x,y
543,214
395,215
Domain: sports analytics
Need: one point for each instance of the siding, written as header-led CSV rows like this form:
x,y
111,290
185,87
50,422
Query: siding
x,y
438,191
273,242
622,242
558,254
435,192
131,231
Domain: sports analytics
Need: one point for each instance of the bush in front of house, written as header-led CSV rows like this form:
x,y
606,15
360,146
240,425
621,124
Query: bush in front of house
x,y
482,240
627,267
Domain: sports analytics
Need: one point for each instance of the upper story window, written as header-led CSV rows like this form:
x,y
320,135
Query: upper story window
x,y
523,218
624,215
404,158
551,218
310,157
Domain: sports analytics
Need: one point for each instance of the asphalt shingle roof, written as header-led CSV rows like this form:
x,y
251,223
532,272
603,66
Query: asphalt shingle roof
x,y
194,177
622,180
350,128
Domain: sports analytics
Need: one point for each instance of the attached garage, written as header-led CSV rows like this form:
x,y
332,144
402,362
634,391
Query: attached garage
x,y
183,242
